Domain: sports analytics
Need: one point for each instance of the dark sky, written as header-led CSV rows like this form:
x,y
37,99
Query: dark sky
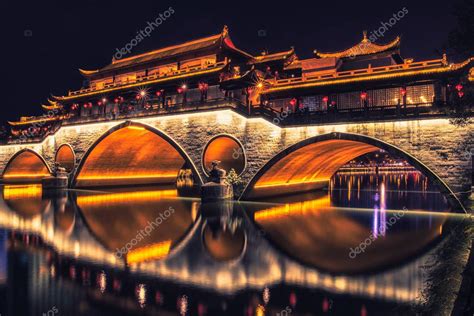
x,y
67,35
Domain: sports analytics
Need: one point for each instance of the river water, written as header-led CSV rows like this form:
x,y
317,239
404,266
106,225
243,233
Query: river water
x,y
356,248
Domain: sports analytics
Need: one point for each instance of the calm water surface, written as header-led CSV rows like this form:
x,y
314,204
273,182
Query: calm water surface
x,y
354,249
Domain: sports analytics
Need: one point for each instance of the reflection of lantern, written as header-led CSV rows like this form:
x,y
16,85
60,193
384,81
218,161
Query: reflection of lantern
x,y
325,305
292,299
363,95
140,292
266,295
102,281
460,94
459,87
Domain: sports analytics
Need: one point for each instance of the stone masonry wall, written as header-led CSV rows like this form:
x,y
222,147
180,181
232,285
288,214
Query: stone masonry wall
x,y
441,146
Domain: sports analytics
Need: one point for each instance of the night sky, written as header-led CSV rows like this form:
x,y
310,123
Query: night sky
x,y
45,42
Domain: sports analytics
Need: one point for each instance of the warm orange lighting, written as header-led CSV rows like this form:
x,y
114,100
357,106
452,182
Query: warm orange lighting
x,y
307,168
278,184
228,151
294,209
131,155
26,165
215,68
388,74
25,175
148,196
21,191
138,128
152,252
65,157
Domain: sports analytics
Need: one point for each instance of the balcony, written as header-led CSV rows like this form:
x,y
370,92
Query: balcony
x,y
150,79
361,72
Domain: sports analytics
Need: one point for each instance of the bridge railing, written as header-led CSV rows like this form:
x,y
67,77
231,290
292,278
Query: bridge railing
x,y
334,115
209,104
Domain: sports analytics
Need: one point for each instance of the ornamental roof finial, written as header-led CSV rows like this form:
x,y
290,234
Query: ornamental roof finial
x,y
365,36
225,31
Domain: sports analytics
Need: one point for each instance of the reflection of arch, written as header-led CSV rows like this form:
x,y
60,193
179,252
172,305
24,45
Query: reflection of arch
x,y
310,164
228,150
25,200
66,157
224,245
132,153
26,166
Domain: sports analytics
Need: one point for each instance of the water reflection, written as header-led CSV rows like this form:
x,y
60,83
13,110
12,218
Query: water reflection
x,y
328,230
112,218
296,256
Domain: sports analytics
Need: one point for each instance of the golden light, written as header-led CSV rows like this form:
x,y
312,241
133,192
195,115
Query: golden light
x,y
152,252
131,155
308,168
228,151
21,191
65,157
293,209
27,165
137,196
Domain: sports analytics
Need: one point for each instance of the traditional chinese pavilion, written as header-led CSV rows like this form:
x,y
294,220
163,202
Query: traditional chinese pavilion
x,y
213,72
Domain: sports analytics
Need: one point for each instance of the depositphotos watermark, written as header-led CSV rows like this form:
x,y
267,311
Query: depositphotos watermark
x,y
145,232
380,32
146,32
381,230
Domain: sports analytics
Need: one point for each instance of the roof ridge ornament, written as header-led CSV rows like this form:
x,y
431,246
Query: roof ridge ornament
x,y
225,31
365,39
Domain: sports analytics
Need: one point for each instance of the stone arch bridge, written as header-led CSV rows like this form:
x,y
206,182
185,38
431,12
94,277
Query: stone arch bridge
x,y
270,157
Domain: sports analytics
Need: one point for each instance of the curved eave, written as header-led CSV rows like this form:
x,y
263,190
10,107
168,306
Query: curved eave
x,y
41,120
364,78
272,57
139,84
227,42
51,107
358,49
88,73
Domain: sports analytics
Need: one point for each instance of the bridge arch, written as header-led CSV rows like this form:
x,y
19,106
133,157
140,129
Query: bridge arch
x,y
132,153
310,164
66,157
26,166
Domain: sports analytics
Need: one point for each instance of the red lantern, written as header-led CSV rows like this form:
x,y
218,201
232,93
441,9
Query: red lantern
x,y
325,99
459,87
293,102
403,91
116,100
363,95
158,93
99,103
460,94
138,97
180,90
